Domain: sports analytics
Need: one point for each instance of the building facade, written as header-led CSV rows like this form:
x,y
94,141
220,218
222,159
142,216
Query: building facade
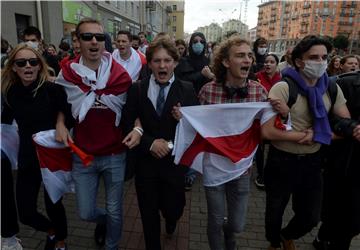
x,y
56,19
235,25
212,32
251,34
284,23
176,19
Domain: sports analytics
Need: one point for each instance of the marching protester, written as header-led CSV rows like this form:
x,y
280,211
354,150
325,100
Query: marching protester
x,y
126,56
231,67
267,78
34,103
294,160
341,203
96,88
333,68
349,63
195,67
260,49
287,62
159,183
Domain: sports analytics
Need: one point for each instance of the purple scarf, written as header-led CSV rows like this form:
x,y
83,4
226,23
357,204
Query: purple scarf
x,y
321,126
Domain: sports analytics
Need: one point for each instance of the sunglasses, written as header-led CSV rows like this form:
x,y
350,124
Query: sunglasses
x,y
22,62
89,36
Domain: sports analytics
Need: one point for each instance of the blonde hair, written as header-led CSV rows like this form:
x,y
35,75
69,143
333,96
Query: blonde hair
x,y
9,77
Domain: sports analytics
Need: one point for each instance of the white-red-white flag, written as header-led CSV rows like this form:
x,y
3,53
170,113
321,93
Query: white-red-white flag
x,y
223,136
10,143
55,162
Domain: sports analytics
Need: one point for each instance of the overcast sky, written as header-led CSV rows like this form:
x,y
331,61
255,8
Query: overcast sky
x,y
203,12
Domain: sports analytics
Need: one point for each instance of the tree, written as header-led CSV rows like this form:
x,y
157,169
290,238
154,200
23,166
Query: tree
x,y
341,42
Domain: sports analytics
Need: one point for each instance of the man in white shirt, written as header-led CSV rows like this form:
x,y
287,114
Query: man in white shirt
x,y
126,56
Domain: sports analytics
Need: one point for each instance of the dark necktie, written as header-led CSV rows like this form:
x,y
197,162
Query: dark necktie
x,y
160,101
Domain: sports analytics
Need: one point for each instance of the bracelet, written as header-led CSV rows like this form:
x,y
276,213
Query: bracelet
x,y
139,130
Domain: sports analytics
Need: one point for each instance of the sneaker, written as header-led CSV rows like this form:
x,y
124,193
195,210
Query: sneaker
x,y
170,227
188,183
50,243
13,245
320,244
100,234
259,182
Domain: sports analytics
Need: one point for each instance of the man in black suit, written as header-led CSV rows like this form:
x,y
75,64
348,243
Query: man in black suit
x,y
159,182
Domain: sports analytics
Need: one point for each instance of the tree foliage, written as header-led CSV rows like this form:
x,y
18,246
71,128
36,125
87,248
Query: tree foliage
x,y
341,42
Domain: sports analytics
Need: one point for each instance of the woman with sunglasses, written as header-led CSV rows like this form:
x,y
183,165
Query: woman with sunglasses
x,y
34,103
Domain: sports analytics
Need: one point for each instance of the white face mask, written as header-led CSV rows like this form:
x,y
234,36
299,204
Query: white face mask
x,y
314,70
34,45
261,51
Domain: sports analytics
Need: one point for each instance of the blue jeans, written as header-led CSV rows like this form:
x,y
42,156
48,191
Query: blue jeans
x,y
235,193
112,168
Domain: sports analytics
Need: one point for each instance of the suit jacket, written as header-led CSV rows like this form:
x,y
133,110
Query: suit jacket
x,y
139,105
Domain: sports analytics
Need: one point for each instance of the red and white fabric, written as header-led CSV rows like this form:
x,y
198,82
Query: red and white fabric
x,y
84,86
220,140
55,163
132,65
10,143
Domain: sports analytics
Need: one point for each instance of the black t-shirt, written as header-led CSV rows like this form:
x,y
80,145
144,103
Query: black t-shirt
x,y
33,114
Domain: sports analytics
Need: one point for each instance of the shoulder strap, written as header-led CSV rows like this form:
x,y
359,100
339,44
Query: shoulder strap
x,y
332,91
293,90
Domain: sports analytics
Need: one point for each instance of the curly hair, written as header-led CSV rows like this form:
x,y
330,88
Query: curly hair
x,y
331,70
9,77
222,53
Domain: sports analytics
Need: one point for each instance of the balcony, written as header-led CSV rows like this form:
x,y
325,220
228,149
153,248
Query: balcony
x,y
272,20
273,7
272,27
347,14
307,6
345,23
303,31
271,34
273,14
348,5
294,17
150,5
305,14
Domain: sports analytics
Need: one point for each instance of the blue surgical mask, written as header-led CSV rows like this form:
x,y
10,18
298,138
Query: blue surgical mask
x,y
197,48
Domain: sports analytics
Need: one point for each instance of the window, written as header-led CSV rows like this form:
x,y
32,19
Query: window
x,y
174,28
132,9
174,7
174,18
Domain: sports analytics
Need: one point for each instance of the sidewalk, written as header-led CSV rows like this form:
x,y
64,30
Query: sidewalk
x,y
190,233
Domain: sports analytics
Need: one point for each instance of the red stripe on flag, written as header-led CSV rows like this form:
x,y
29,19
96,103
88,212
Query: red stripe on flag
x,y
54,159
234,147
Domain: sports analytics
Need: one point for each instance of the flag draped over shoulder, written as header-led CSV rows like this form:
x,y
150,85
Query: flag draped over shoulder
x,y
222,138
55,162
10,143
84,86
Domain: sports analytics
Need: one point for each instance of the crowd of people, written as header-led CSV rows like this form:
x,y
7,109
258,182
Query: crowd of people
x,y
124,102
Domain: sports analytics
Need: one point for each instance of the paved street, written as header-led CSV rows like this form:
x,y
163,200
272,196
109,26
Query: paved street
x,y
190,233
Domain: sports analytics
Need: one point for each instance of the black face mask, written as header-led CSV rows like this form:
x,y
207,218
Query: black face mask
x,y
242,92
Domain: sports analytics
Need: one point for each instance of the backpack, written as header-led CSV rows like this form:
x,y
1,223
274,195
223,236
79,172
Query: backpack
x,y
294,90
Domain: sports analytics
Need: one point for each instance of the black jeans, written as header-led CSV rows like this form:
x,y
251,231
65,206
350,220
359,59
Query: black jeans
x,y
341,204
293,175
27,191
160,189
9,223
